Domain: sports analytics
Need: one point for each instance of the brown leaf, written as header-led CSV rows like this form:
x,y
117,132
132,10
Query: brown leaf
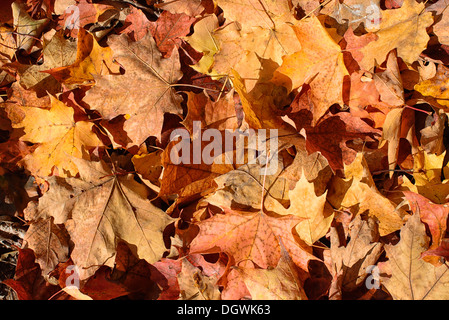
x,y
100,207
411,277
50,243
351,261
279,283
115,95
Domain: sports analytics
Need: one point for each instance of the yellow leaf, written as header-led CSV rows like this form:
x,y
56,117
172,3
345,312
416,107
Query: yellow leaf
x,y
91,59
436,86
202,40
305,204
59,136
358,191
318,63
403,29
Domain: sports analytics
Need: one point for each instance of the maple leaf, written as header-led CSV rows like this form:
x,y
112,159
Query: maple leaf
x,y
129,276
28,282
242,188
403,29
115,95
259,43
202,40
90,155
259,106
189,7
359,191
330,136
305,204
219,115
432,136
254,13
91,59
195,285
169,30
165,274
315,168
355,12
411,277
86,13
399,123
136,24
59,136
389,83
250,238
319,64
352,44
434,215
350,261
49,242
149,168
188,179
436,86
280,283
440,28
59,52
100,207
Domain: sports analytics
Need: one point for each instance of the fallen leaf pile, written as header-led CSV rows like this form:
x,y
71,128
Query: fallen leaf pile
x,y
94,93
